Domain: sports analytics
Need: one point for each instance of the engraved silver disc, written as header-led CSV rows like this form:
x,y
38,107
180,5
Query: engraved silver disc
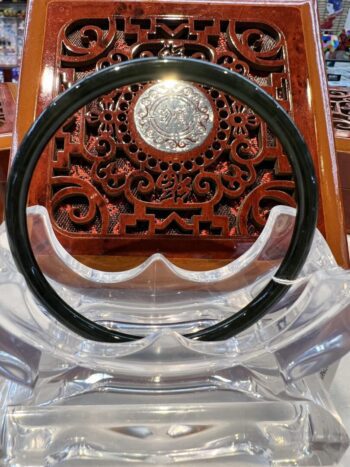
x,y
173,116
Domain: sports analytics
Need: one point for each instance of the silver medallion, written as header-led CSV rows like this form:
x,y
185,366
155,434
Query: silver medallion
x,y
173,116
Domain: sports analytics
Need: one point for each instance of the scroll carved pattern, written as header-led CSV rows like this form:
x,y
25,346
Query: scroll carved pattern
x,y
106,180
340,105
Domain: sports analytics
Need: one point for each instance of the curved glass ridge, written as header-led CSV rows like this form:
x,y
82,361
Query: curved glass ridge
x,y
164,399
164,301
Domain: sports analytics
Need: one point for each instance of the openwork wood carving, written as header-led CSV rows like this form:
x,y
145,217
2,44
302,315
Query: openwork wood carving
x,y
109,178
7,109
340,105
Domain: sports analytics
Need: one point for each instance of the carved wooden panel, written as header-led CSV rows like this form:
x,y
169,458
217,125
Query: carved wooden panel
x,y
7,109
340,105
108,179
111,188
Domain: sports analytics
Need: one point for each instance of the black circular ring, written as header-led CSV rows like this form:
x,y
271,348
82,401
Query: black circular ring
x,y
143,70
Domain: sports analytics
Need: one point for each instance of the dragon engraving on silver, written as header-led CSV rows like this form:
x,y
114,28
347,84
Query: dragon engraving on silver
x,y
173,116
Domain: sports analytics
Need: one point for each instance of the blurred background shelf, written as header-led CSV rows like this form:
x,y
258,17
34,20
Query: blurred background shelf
x,y
11,39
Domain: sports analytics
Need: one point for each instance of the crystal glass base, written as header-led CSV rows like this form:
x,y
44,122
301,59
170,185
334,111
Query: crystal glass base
x,y
191,431
254,399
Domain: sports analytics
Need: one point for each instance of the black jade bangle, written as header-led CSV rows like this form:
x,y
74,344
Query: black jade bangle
x,y
143,70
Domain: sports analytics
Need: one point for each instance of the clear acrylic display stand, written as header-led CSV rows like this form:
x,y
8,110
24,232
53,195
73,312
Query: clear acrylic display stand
x,y
256,399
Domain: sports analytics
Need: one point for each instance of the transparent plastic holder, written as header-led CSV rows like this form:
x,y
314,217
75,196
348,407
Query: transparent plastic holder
x,y
165,398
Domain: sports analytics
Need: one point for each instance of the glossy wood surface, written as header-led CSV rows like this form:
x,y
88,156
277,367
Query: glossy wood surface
x,y
8,94
344,165
340,105
277,45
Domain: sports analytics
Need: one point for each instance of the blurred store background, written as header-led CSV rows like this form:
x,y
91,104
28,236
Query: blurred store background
x,y
12,20
335,30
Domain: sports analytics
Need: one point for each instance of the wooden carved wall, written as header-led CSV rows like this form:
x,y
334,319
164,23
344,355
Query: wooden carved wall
x,y
8,93
108,180
340,105
111,188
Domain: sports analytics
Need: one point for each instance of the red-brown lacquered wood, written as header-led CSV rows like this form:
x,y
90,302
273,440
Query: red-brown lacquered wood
x,y
93,196
340,105
7,118
346,198
344,166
